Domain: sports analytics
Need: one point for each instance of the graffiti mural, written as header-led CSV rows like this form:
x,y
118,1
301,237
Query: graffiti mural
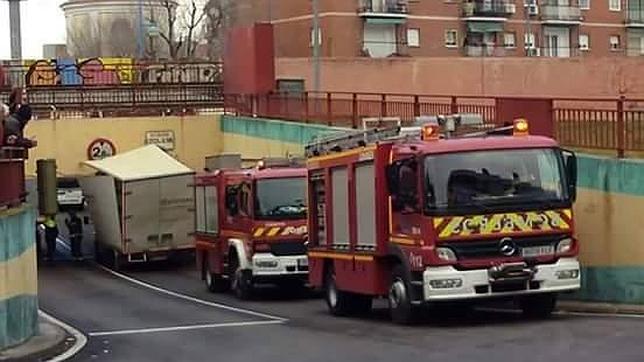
x,y
105,71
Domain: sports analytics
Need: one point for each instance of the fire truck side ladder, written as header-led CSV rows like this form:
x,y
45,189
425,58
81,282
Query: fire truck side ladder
x,y
354,139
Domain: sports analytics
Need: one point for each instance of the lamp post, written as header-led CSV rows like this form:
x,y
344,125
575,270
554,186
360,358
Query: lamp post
x,y
14,29
316,45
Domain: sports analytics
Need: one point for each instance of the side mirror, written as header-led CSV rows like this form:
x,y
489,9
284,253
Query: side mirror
x,y
570,160
392,178
231,201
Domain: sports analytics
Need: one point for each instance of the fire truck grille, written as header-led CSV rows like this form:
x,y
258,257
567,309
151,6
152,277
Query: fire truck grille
x,y
288,248
492,248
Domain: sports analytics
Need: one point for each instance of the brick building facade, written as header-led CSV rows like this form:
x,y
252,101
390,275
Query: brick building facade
x,y
454,28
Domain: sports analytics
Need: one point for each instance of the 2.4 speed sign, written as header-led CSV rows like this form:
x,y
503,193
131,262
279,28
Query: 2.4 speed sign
x,y
100,148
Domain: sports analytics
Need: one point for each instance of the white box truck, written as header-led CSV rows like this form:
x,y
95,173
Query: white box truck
x,y
142,205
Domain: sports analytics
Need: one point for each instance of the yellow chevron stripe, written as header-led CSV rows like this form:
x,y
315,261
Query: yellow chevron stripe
x,y
273,232
258,232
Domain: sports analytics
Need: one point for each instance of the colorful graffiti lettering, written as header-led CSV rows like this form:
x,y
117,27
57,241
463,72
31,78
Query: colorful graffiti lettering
x,y
104,71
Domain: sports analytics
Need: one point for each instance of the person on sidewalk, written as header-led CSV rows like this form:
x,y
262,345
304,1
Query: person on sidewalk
x,y
75,228
51,234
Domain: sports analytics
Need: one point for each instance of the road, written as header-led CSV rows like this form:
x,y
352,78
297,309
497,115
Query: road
x,y
162,312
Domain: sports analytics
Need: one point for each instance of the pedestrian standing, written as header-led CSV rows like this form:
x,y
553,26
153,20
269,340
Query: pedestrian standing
x,y
75,228
51,234
17,98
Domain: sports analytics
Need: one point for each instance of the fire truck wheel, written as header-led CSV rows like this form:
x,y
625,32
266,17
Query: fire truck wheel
x,y
339,302
214,282
400,307
538,306
241,280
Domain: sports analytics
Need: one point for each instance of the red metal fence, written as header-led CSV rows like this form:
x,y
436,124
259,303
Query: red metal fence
x,y
615,124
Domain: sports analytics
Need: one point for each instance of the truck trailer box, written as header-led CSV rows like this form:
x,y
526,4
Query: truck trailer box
x,y
142,204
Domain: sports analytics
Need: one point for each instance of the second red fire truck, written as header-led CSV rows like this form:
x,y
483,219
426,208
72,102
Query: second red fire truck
x,y
425,219
251,226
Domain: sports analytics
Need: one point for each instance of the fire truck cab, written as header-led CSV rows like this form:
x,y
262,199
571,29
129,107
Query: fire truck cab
x,y
430,219
251,226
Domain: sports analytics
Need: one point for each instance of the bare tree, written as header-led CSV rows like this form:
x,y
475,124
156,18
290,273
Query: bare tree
x,y
193,19
167,32
85,40
220,14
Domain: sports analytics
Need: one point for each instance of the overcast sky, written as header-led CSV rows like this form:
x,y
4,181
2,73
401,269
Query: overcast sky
x,y
43,22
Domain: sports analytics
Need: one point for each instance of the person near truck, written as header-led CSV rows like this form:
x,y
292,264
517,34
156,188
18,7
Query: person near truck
x,y
51,234
75,228
14,127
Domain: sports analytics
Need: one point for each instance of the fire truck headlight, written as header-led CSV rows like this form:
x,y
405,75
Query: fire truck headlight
x,y
446,254
568,274
564,246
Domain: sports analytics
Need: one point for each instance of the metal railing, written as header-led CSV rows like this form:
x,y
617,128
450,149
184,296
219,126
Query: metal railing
x,y
491,8
635,16
611,123
484,51
393,7
555,12
125,99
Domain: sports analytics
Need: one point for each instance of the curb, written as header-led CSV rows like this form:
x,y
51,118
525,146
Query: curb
x,y
600,308
80,340
50,340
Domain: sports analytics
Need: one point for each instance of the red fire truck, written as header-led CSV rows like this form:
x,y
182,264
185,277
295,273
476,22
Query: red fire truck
x,y
251,226
430,219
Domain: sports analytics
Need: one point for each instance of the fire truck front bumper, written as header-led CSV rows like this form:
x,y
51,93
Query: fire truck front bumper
x,y
448,283
270,265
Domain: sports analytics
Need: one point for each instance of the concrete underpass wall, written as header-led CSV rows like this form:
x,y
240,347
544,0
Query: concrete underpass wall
x,y
610,225
18,277
67,140
257,137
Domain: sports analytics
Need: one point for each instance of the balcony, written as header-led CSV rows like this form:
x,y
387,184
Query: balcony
x,y
488,9
560,12
484,50
635,18
383,11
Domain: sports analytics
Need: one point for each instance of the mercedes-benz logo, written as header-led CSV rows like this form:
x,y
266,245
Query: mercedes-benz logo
x,y
507,247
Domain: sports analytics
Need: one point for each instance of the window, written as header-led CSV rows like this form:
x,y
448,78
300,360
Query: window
x,y
615,5
413,38
509,40
584,4
313,37
584,42
403,181
529,40
614,42
244,200
451,38
281,198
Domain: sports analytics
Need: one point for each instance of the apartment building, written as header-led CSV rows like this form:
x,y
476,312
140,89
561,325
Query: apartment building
x,y
446,28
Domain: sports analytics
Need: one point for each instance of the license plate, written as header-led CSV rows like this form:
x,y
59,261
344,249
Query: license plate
x,y
303,262
533,251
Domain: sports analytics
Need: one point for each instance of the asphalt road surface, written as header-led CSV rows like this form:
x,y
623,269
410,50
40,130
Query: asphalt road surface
x,y
162,312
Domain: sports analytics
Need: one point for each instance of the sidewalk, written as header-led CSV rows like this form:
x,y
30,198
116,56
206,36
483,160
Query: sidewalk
x,y
599,308
50,341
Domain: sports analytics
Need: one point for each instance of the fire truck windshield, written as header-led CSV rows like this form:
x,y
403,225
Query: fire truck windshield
x,y
494,179
281,198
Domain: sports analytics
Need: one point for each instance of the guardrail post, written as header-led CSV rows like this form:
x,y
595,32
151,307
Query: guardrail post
x,y
383,105
306,106
416,106
354,109
620,127
329,109
453,106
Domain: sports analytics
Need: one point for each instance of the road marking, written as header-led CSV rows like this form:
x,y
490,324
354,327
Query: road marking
x,y
182,328
80,338
183,296
566,313
191,299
